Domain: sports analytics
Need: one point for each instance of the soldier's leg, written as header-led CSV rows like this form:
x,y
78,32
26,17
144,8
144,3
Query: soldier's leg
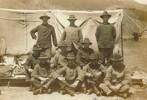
x,y
124,91
102,55
27,75
109,53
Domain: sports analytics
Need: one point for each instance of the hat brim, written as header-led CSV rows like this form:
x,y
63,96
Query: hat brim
x,y
102,16
70,58
87,43
113,59
71,19
44,17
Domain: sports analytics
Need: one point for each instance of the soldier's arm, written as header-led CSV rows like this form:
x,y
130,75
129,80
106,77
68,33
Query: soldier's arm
x,y
54,37
80,35
63,36
33,31
108,76
114,32
27,64
97,34
35,72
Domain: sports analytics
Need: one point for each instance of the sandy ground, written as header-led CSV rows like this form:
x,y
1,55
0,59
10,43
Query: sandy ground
x,y
135,54
22,93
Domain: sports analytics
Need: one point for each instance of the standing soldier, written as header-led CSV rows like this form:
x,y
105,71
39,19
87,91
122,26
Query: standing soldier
x,y
105,36
31,61
116,81
40,75
46,33
72,33
84,53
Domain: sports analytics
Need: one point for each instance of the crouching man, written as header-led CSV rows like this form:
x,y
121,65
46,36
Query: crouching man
x,y
93,75
40,75
68,77
116,81
31,61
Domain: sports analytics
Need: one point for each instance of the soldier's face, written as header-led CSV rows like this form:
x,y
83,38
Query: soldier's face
x,y
72,21
43,61
36,53
86,45
45,20
71,62
105,19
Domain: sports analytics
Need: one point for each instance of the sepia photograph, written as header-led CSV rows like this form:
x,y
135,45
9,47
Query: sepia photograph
x,y
73,50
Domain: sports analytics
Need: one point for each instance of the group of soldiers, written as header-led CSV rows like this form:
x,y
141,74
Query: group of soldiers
x,y
76,67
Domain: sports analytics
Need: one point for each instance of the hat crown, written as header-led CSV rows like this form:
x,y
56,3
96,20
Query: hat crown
x,y
72,17
116,57
86,40
93,57
44,16
105,13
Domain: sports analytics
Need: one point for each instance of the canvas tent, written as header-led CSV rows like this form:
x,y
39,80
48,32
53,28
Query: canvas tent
x,y
15,26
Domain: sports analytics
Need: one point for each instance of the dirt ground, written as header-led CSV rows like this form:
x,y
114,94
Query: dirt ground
x,y
135,54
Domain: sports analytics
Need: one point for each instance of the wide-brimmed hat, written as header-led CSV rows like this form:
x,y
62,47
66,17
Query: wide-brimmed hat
x,y
72,17
43,57
86,41
93,57
36,48
70,56
116,57
105,13
44,16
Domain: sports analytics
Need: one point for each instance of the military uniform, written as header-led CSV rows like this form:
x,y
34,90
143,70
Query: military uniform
x,y
59,60
105,36
31,61
83,54
30,64
72,34
94,74
41,73
69,76
116,81
45,32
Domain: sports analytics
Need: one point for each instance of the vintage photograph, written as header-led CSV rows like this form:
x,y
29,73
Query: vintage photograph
x,y
73,49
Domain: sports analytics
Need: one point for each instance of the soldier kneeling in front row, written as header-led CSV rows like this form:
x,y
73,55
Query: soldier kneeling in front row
x,y
116,81
94,74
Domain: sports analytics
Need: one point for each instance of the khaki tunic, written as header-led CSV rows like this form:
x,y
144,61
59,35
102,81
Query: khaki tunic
x,y
72,34
105,36
45,34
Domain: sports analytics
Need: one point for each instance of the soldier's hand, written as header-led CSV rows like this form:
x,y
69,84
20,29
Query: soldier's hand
x,y
30,70
34,37
88,75
75,84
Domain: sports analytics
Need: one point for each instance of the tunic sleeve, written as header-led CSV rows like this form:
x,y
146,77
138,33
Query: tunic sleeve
x,y
63,36
33,31
35,72
54,37
97,34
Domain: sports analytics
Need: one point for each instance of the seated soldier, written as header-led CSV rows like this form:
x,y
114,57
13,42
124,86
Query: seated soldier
x,y
69,77
83,54
31,61
40,75
59,60
116,81
93,75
